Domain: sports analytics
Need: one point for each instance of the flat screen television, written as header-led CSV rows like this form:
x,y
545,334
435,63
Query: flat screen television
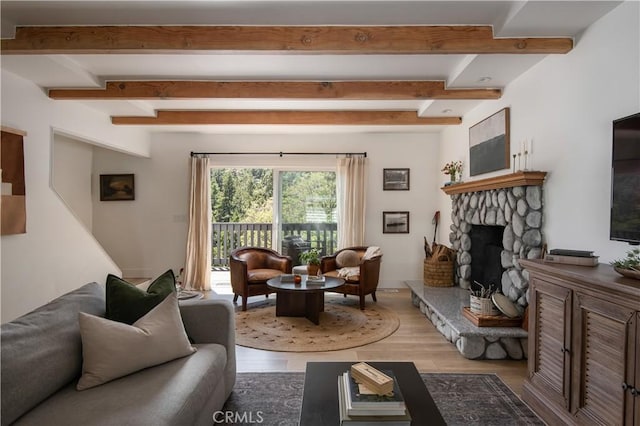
x,y
625,180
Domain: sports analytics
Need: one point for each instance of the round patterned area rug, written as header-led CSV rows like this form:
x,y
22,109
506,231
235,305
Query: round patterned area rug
x,y
342,325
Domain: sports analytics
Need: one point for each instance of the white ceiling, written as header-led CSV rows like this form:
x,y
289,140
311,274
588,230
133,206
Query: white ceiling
x,y
509,19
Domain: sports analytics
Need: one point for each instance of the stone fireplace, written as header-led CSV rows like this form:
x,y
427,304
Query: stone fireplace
x,y
495,222
517,211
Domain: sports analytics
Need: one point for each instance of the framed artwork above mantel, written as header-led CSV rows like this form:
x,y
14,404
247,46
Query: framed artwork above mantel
x,y
489,144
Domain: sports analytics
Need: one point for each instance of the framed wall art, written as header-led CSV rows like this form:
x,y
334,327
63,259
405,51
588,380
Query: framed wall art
x,y
395,179
117,187
395,222
14,206
489,144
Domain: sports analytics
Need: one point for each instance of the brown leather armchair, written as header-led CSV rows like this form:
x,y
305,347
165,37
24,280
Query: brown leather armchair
x,y
251,267
363,284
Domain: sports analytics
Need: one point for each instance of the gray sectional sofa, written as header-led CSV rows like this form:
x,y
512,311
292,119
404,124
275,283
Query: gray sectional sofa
x,y
42,361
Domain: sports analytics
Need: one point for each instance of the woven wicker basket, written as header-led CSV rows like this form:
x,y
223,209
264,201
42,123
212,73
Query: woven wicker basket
x,y
438,273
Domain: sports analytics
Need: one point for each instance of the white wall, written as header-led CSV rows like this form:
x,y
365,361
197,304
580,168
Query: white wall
x,y
71,175
57,254
566,103
147,236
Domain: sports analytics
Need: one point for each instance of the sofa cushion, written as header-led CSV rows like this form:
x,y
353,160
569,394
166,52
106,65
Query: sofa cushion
x,y
174,393
127,303
262,275
42,350
347,258
111,349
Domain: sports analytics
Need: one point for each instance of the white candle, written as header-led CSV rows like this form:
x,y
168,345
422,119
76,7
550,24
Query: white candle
x,y
530,145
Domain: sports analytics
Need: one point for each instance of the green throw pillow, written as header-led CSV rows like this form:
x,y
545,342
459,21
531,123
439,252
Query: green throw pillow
x,y
127,303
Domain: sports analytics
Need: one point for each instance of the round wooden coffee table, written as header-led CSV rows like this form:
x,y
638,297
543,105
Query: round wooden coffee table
x,y
302,300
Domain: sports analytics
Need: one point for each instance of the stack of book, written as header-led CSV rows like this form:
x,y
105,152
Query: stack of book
x,y
315,280
286,278
361,406
571,257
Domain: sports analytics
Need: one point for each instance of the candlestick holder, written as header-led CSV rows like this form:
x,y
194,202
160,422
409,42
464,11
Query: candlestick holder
x,y
514,163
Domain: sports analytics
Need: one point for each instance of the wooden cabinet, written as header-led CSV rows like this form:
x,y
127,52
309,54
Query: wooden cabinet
x,y
584,345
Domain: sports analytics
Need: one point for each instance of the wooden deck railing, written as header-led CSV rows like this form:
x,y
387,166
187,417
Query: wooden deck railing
x,y
231,235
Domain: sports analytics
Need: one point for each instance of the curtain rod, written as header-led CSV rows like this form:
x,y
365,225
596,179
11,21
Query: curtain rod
x,y
279,153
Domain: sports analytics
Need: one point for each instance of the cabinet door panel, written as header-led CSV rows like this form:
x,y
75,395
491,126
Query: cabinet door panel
x,y
632,402
548,355
601,342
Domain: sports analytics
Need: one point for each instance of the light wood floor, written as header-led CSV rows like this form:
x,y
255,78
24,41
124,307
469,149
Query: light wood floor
x,y
416,340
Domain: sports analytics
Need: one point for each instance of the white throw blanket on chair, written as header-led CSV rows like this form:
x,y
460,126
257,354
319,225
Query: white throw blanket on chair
x,y
349,271
372,251
354,271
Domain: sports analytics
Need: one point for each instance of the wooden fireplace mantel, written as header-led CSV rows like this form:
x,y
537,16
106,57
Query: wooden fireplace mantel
x,y
523,178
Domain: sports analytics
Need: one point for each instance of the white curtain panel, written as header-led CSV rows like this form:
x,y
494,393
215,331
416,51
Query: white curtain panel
x,y
197,270
350,182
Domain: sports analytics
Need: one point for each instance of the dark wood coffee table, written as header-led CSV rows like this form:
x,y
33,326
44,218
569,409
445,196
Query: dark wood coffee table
x,y
301,300
320,395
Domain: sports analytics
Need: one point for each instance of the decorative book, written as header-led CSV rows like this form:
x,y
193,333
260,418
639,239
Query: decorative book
x,y
315,279
382,408
568,252
572,260
361,397
366,420
286,278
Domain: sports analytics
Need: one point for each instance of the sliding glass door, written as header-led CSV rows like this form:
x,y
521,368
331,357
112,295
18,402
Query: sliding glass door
x,y
242,210
306,211
289,211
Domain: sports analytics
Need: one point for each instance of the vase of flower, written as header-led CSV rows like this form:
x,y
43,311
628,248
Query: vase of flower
x,y
453,169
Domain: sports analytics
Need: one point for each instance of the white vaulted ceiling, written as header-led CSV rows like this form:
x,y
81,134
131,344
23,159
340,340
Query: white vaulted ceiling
x,y
73,69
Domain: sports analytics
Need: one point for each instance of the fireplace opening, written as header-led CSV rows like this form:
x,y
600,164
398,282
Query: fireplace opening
x,y
486,248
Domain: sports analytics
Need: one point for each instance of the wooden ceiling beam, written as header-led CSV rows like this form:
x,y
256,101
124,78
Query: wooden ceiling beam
x,y
362,90
294,39
382,118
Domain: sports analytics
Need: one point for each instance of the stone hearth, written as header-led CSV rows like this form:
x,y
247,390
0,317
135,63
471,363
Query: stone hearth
x,y
443,307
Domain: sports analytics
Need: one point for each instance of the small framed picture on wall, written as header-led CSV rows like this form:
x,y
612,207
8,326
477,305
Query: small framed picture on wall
x,y
395,222
117,187
395,179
